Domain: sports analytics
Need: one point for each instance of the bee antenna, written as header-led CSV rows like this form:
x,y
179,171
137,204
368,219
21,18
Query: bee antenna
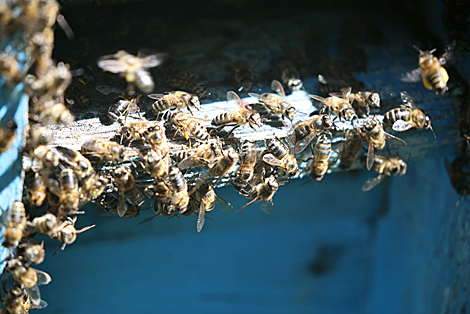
x,y
433,132
417,48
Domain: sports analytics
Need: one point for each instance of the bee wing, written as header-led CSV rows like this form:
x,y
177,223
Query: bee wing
x,y
446,55
413,76
267,206
395,141
200,218
346,92
370,156
407,101
270,159
401,125
303,143
290,139
106,90
43,277
372,182
110,65
122,205
155,96
34,295
232,97
317,98
191,161
224,205
42,305
254,95
152,60
277,87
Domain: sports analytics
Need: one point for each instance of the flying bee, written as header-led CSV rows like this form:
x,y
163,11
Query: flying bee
x,y
431,70
7,135
321,153
28,277
264,192
339,106
385,167
36,189
376,137
238,118
100,149
305,131
133,68
289,75
67,190
188,125
276,104
351,146
127,189
174,100
407,116
207,199
14,221
244,76
281,155
31,252
248,157
109,203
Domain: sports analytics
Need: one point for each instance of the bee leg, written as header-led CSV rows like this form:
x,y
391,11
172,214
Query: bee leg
x,y
231,131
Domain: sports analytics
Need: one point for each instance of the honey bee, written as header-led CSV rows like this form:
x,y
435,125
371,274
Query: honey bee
x,y
44,157
207,198
67,190
204,154
7,135
37,135
183,80
31,252
67,234
281,156
157,165
276,104
459,175
81,165
188,125
46,225
92,187
244,76
121,108
351,146
289,75
155,136
174,100
36,189
376,137
407,116
338,106
305,131
321,153
127,189
431,70
14,221
10,69
363,99
224,164
248,157
28,277
52,80
133,68
385,167
110,204
17,301
264,192
55,113
100,149
238,118
178,185
134,131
